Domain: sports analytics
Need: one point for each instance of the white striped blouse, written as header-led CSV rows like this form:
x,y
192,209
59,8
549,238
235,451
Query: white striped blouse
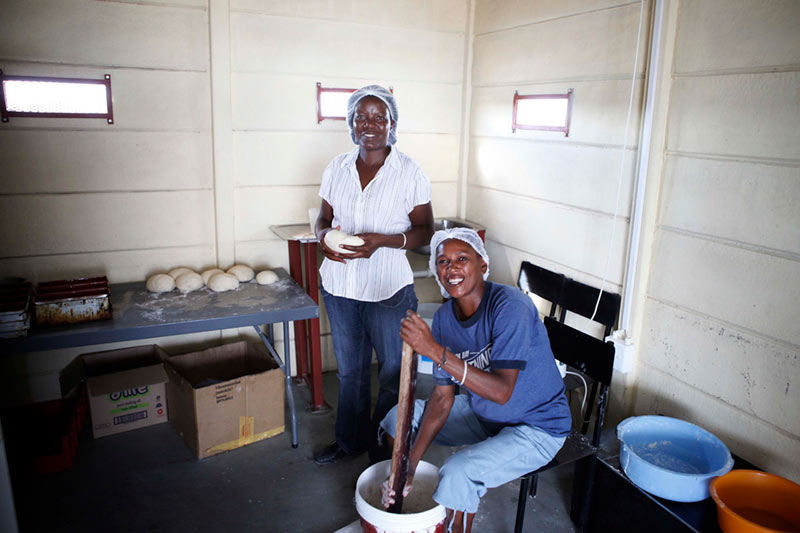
x,y
382,207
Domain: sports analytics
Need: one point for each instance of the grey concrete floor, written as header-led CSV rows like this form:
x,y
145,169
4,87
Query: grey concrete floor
x,y
148,480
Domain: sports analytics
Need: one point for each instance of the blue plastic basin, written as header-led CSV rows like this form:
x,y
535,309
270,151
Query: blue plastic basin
x,y
671,458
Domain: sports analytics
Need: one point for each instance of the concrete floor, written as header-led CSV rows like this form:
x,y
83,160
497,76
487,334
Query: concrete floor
x,y
148,480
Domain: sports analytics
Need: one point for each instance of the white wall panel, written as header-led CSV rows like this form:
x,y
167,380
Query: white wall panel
x,y
436,154
289,102
70,161
491,15
736,285
759,442
752,115
755,375
755,33
264,254
443,200
599,110
286,157
594,44
442,15
143,99
564,235
257,208
281,45
746,202
51,224
579,175
119,265
104,33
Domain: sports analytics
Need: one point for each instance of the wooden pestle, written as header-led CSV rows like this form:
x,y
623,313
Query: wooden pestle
x,y
402,434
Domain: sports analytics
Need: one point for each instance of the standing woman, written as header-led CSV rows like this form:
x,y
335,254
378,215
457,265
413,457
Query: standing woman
x,y
382,196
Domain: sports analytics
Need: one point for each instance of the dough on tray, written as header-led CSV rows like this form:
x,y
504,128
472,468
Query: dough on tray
x,y
189,282
334,238
265,277
210,272
160,283
223,282
242,272
175,272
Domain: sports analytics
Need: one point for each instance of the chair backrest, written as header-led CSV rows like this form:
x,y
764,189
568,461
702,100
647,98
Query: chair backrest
x,y
580,298
544,283
591,356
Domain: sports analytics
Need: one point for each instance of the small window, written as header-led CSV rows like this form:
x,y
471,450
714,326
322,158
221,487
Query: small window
x,y
545,112
332,103
32,96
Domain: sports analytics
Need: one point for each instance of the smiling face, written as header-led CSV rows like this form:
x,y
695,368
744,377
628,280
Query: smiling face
x,y
371,123
460,270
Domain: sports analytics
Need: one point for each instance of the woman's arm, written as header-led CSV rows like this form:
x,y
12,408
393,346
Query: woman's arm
x,y
418,235
496,385
437,409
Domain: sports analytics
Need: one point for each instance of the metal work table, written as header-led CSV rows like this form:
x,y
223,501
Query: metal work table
x,y
138,314
303,250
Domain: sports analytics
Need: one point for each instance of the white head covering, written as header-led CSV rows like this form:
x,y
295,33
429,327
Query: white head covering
x,y
469,236
385,96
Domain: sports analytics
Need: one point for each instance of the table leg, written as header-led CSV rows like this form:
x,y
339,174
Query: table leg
x,y
312,287
286,366
289,396
296,272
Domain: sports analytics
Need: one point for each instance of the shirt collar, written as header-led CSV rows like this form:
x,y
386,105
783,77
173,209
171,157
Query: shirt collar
x,y
393,159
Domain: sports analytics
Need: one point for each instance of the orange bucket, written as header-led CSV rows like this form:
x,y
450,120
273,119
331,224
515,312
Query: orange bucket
x,y
752,501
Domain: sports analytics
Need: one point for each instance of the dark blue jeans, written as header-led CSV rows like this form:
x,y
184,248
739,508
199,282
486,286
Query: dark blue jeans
x,y
356,328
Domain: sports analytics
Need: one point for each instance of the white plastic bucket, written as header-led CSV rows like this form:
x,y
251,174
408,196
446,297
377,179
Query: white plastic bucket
x,y
420,513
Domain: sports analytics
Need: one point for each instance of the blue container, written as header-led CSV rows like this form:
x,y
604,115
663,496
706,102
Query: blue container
x,y
671,458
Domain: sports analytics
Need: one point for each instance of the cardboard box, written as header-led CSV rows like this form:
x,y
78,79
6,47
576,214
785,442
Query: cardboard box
x,y
225,397
126,389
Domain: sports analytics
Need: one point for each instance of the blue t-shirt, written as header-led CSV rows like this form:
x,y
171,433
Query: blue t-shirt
x,y
505,332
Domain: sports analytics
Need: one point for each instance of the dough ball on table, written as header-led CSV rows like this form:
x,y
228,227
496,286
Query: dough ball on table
x,y
265,277
242,272
175,272
334,238
223,282
210,272
189,282
160,283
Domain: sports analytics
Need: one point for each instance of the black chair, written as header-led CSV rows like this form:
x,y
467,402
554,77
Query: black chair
x,y
595,358
544,283
581,299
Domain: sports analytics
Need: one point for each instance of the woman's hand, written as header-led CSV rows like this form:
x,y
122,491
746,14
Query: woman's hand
x,y
416,333
387,494
372,241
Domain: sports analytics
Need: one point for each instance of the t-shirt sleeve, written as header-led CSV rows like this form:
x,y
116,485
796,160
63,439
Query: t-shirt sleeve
x,y
419,190
327,183
513,334
440,377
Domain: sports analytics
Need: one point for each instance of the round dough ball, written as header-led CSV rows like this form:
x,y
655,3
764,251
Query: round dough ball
x,y
334,238
242,272
223,282
266,277
175,272
189,282
210,272
160,283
